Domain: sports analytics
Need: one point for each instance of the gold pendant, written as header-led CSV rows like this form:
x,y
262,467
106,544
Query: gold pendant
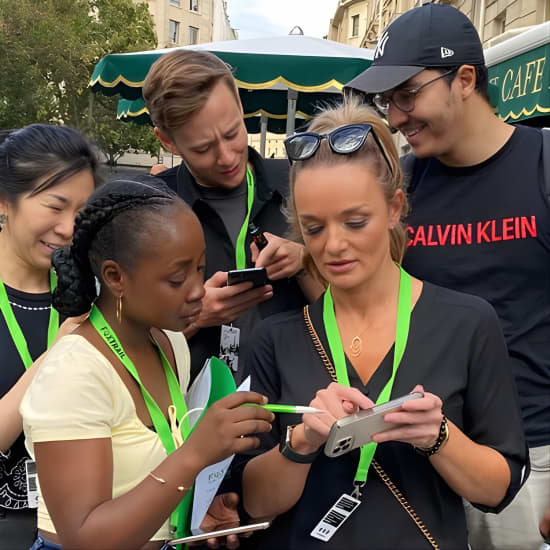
x,y
356,346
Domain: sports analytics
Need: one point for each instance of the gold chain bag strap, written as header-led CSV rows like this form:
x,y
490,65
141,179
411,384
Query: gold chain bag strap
x,y
383,475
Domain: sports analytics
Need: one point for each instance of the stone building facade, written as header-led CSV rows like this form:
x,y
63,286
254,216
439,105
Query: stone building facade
x,y
359,22
186,22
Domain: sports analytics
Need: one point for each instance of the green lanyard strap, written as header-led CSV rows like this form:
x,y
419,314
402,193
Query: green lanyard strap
x,y
339,358
15,330
240,253
160,423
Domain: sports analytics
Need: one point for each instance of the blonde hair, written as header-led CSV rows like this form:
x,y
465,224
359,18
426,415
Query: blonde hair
x,y
352,111
179,83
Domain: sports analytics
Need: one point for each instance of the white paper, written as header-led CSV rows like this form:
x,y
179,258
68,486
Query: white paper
x,y
208,481
198,393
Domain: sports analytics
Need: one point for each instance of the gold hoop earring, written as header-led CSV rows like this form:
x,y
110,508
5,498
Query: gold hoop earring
x,y
119,309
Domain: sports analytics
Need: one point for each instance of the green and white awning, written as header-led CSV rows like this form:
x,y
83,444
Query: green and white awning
x,y
265,70
270,103
293,62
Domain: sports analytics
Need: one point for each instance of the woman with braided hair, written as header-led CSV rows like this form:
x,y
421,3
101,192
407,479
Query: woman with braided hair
x,y
46,175
105,416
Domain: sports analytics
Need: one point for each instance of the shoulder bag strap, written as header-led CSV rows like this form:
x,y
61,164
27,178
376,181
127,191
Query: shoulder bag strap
x,y
381,473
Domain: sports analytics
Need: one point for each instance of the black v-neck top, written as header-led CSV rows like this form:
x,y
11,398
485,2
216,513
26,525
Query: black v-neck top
x,y
455,350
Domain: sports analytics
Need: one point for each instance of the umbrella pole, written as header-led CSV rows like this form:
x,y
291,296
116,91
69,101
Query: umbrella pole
x,y
291,111
263,134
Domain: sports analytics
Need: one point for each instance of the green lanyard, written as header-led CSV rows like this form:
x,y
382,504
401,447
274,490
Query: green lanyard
x,y
159,420
15,330
240,254
339,358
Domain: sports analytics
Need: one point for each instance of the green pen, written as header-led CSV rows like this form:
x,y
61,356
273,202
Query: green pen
x,y
289,409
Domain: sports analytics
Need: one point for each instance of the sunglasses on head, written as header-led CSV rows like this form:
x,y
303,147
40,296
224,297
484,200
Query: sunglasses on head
x,y
343,141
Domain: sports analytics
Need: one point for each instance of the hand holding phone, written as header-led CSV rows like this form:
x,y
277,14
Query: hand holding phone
x,y
222,304
356,430
222,533
338,401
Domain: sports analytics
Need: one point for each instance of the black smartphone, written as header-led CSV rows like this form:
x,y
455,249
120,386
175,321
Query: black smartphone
x,y
256,275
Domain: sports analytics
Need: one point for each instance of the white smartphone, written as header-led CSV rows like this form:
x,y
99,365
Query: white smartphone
x,y
357,429
222,533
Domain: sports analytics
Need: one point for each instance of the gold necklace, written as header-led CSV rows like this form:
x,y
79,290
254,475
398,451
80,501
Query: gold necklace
x,y
356,346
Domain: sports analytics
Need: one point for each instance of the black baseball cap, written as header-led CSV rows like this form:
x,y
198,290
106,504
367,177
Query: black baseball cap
x,y
433,35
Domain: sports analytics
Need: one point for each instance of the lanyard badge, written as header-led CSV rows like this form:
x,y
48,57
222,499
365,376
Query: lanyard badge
x,y
347,504
15,330
162,427
339,359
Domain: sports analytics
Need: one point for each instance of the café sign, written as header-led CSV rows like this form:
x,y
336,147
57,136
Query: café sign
x,y
523,85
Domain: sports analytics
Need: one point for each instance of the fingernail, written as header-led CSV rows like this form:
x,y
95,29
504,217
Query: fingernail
x,y
264,400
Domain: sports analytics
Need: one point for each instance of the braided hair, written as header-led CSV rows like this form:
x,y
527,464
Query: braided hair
x,y
113,225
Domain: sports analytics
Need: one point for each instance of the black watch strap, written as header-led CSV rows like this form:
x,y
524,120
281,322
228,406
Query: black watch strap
x,y
288,452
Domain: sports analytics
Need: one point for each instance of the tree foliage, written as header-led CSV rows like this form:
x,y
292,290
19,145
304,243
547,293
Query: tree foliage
x,y
49,49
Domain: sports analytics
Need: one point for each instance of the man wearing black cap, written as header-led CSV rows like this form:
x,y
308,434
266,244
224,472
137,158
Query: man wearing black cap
x,y
479,221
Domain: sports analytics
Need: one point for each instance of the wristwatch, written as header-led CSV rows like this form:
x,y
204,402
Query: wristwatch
x,y
439,442
288,452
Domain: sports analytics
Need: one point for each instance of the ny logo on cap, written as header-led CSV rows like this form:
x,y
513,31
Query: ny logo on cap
x,y
446,52
379,52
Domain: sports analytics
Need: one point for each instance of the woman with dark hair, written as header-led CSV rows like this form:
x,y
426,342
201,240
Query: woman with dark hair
x,y
46,175
376,334
108,429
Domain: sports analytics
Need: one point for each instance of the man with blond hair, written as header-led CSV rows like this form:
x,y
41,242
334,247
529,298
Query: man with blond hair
x,y
195,107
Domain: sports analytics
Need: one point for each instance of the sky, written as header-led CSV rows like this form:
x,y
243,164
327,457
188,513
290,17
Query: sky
x,y
260,18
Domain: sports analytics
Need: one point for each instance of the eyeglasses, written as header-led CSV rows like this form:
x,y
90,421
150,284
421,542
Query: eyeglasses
x,y
402,98
344,141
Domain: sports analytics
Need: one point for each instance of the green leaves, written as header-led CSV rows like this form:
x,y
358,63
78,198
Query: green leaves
x,y
48,50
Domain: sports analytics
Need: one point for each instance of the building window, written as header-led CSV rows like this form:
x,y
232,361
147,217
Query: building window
x,y
355,25
193,35
175,3
174,32
194,6
499,24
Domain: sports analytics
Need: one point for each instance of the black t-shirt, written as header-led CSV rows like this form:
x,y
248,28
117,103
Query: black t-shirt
x,y
271,188
485,230
456,350
32,312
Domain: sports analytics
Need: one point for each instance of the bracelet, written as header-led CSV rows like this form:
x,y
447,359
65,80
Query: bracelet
x,y
442,438
180,488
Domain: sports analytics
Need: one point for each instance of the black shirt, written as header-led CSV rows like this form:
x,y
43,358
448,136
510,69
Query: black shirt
x,y
456,350
485,230
271,188
32,312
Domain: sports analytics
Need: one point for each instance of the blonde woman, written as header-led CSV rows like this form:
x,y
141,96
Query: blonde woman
x,y
376,333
